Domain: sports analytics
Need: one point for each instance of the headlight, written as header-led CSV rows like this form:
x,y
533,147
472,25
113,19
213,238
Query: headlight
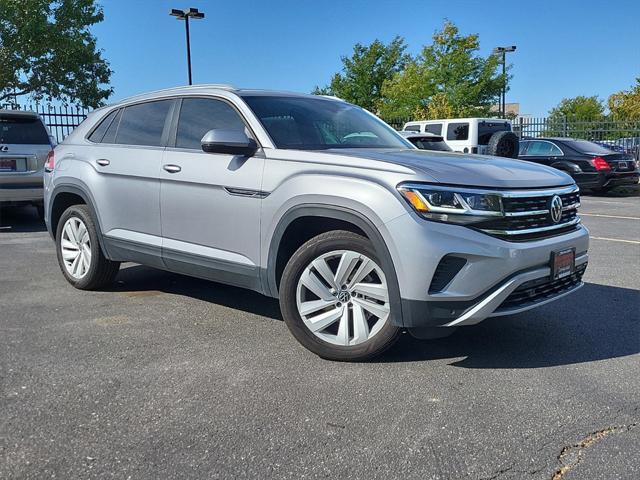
x,y
452,204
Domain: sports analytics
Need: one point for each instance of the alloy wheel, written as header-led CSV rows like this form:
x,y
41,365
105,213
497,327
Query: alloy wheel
x,y
75,245
342,297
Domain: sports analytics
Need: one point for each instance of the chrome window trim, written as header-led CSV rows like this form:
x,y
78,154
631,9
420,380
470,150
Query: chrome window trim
x,y
531,140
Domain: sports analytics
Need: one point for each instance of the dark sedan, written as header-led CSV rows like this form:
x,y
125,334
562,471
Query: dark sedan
x,y
591,165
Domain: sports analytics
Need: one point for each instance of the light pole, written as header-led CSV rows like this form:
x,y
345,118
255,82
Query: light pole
x,y
504,51
184,15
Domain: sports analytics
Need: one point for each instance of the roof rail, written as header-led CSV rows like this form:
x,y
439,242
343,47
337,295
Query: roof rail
x,y
183,88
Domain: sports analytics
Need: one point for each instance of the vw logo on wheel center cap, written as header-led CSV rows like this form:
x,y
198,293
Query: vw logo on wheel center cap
x,y
555,208
344,296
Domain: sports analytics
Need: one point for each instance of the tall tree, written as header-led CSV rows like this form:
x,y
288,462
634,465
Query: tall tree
x,y
449,71
626,104
579,107
364,72
48,52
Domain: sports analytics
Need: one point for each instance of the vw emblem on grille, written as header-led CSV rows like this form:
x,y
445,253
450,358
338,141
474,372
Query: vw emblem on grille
x,y
555,208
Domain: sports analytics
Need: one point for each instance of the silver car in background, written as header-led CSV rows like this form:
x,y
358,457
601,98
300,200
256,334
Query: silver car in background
x,y
25,144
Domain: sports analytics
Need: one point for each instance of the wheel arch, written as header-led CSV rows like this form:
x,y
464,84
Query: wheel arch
x,y
331,217
61,199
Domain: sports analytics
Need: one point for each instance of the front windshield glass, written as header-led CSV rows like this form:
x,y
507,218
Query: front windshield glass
x,y
303,123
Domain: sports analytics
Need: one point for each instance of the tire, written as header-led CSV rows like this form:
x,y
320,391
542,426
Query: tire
x,y
504,144
97,271
356,335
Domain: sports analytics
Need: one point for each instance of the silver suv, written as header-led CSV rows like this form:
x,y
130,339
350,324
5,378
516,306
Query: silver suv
x,y
25,144
318,203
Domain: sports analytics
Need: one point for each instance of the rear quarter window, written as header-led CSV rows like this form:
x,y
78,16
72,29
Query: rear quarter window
x,y
458,131
21,130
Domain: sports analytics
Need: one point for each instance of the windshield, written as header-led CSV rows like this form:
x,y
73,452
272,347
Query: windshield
x,y
584,146
23,130
303,123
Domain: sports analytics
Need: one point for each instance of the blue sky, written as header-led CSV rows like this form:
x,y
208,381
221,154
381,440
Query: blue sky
x,y
565,47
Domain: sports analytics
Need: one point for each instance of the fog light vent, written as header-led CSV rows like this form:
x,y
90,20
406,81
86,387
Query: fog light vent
x,y
447,269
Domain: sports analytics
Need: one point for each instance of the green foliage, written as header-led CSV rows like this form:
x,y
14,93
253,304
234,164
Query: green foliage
x,y
48,52
447,78
626,104
364,72
578,107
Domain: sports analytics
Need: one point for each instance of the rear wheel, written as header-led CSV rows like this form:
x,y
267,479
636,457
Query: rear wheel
x,y
79,254
334,297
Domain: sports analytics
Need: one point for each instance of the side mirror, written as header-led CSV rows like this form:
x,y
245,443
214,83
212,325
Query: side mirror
x,y
232,142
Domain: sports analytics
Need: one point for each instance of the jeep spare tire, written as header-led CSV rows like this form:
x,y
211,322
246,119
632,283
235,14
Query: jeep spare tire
x,y
503,144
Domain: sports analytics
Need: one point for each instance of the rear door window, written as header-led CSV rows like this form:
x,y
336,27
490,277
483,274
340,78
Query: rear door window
x,y
458,131
543,149
412,128
22,130
435,128
199,115
143,124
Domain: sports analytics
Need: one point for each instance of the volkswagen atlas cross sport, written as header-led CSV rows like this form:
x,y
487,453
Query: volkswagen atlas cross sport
x,y
318,203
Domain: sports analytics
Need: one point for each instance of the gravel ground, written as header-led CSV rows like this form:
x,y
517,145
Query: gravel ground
x,y
165,376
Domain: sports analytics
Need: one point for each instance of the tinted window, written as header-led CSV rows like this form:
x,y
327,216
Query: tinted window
x,y
584,146
523,147
426,143
23,130
199,115
412,128
435,128
98,133
487,129
110,136
458,131
311,123
143,124
543,149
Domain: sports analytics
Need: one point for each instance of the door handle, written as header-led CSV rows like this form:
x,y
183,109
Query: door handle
x,y
103,162
172,168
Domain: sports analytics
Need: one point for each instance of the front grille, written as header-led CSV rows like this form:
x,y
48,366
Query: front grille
x,y
541,289
529,218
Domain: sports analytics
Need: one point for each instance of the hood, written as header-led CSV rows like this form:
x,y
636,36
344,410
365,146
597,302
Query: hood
x,y
465,169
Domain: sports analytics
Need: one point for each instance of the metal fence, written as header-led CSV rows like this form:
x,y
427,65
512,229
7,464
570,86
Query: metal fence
x,y
61,120
621,135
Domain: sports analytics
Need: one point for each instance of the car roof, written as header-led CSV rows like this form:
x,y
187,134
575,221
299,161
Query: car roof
x,y
468,119
19,113
217,88
409,134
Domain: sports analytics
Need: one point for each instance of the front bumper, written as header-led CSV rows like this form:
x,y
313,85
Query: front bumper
x,y
493,271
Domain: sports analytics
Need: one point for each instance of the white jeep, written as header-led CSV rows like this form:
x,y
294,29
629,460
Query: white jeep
x,y
486,136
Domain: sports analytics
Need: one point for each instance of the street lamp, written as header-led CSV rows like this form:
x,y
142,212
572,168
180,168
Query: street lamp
x,y
504,51
184,15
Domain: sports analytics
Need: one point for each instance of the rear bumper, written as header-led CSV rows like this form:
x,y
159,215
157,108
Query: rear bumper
x,y
621,178
21,193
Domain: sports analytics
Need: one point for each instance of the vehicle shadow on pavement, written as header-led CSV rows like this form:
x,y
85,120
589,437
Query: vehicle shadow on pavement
x,y
20,220
596,323
137,278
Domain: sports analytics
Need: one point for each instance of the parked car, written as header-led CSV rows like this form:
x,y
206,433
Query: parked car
x,y
486,136
25,143
591,165
427,141
318,203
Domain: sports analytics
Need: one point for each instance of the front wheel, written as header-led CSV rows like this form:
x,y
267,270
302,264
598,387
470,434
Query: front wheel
x,y
79,254
334,297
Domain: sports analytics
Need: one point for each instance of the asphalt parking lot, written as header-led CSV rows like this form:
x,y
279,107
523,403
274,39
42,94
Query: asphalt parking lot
x,y
165,376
